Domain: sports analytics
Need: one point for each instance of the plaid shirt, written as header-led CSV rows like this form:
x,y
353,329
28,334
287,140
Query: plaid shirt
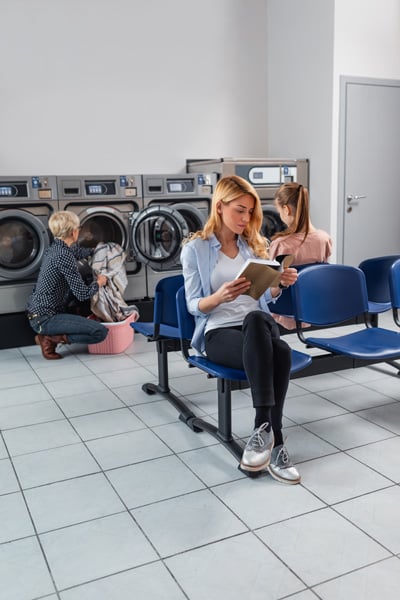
x,y
58,276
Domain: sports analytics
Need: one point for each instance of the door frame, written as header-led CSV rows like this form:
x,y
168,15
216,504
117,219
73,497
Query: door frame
x,y
345,82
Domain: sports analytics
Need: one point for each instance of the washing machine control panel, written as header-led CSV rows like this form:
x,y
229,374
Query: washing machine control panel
x,y
28,188
113,187
191,185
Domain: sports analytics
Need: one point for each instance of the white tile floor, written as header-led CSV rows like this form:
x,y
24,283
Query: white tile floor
x,y
106,495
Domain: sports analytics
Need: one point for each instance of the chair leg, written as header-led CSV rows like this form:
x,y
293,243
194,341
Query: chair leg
x,y
163,378
395,364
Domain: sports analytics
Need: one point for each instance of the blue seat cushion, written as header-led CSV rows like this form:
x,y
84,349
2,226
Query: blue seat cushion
x,y
147,329
299,361
373,343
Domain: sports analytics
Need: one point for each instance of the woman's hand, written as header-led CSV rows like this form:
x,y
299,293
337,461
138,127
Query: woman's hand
x,y
288,278
101,280
228,292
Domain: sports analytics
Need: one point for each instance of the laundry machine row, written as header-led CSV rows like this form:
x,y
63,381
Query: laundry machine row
x,y
148,215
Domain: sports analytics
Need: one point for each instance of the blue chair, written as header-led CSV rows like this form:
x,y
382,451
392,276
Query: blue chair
x,y
163,330
284,304
227,380
376,271
328,295
394,285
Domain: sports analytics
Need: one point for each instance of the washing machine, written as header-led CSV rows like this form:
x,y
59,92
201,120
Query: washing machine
x,y
106,206
265,174
26,204
173,207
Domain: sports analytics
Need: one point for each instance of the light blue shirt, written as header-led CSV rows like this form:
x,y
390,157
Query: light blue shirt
x,y
198,258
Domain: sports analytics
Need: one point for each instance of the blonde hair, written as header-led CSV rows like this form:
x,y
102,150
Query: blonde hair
x,y
63,223
296,196
228,189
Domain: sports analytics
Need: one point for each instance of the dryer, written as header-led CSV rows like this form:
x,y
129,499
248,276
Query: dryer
x,y
265,174
26,204
173,206
106,206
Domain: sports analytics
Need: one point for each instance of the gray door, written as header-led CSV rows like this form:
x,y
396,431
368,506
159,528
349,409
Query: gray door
x,y
369,179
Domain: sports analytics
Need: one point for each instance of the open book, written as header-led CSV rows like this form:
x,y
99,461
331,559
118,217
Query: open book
x,y
264,273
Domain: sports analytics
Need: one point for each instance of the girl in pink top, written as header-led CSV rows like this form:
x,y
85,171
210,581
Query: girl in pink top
x,y
301,238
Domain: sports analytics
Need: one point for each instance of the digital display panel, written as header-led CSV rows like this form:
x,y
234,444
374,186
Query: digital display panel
x,y
177,186
6,190
94,189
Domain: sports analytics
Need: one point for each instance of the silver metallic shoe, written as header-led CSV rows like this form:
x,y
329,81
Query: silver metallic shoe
x,y
257,452
281,467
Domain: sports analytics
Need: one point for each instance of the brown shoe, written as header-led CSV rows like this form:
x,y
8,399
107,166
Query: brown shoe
x,y
48,345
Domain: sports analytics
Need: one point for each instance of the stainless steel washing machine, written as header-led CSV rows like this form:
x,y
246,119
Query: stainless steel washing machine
x,y
265,174
26,204
173,206
106,206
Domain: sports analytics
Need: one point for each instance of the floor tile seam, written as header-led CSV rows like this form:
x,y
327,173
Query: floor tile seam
x,y
334,507
385,394
4,388
291,518
368,420
280,559
12,428
340,449
347,573
347,453
14,456
209,487
161,501
351,411
213,491
22,491
110,372
206,544
85,442
104,577
82,522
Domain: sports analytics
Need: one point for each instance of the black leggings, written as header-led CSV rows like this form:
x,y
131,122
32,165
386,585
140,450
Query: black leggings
x,y
257,348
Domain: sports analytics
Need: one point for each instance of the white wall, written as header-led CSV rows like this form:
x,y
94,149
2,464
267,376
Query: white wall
x,y
311,44
300,63
100,86
367,44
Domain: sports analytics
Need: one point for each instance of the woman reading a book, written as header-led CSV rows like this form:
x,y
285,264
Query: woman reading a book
x,y
233,328
300,238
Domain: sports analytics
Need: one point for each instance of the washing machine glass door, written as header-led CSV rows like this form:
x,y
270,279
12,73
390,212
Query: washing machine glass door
x,y
156,236
23,241
272,222
195,218
101,224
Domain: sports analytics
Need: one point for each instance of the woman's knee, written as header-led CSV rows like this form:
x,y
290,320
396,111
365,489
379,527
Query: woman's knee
x,y
259,320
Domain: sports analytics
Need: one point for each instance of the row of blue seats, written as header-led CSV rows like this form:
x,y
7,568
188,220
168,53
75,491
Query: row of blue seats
x,y
324,296
377,272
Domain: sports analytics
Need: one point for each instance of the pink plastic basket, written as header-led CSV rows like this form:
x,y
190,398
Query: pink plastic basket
x,y
120,336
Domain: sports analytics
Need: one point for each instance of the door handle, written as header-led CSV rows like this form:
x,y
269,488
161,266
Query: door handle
x,y
353,199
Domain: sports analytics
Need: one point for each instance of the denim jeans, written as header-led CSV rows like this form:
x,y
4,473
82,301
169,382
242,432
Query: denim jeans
x,y
77,329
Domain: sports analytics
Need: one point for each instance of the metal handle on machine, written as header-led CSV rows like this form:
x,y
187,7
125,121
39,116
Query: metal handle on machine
x,y
352,200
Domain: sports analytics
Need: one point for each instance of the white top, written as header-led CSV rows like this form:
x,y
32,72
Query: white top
x,y
229,314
